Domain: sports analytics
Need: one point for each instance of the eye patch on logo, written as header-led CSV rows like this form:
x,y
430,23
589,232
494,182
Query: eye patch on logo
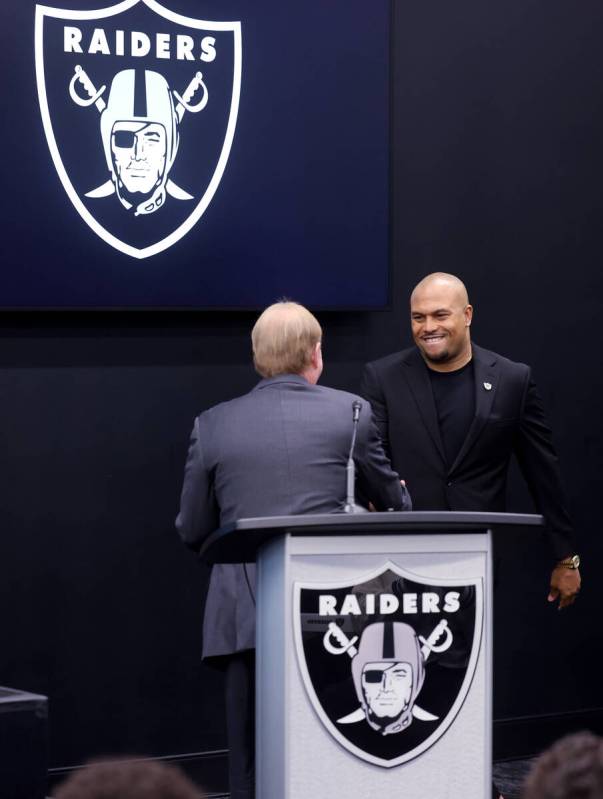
x,y
373,676
124,139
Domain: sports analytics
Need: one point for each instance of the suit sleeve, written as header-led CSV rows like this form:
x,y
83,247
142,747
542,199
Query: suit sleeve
x,y
377,481
370,389
199,514
540,467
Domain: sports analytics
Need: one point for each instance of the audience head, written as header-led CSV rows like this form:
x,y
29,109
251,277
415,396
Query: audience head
x,y
571,769
286,339
127,779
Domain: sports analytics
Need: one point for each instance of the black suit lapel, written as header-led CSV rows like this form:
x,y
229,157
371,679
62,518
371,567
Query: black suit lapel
x,y
487,376
415,372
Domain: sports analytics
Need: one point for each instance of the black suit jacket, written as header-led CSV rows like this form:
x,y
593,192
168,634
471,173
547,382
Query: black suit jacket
x,y
280,449
509,418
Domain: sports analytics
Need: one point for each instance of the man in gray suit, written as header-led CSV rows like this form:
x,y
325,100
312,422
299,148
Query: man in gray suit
x,y
281,449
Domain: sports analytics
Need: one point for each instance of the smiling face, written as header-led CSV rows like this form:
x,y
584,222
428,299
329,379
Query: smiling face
x,y
138,150
440,317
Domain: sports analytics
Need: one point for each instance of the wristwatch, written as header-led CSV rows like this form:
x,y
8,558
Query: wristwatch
x,y
572,562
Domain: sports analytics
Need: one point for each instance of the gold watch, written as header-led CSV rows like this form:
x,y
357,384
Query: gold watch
x,y
572,562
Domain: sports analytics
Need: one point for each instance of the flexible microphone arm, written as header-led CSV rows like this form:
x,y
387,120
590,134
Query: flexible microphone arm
x,y
350,502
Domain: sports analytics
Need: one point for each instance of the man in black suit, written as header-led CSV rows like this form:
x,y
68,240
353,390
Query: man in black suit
x,y
280,449
451,414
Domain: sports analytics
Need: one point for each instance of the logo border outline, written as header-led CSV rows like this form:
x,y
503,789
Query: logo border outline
x,y
459,701
43,11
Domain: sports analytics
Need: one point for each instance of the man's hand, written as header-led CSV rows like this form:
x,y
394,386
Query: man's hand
x,y
565,585
372,508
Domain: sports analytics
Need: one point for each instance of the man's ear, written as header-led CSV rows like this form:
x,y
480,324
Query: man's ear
x,y
468,315
315,357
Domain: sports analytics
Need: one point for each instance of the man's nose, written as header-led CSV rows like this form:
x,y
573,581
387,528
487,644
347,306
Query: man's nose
x,y
138,148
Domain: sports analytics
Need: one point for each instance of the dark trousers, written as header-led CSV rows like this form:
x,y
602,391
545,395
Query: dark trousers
x,y
240,723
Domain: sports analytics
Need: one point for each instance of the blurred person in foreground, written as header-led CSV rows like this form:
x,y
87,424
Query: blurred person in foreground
x,y
127,779
571,769
280,449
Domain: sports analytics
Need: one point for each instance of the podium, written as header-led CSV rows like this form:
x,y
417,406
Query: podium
x,y
374,651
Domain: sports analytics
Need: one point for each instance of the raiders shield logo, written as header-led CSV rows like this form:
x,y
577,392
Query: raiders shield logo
x,y
139,105
387,662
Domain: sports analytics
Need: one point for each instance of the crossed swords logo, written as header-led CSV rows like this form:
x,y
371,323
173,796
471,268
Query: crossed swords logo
x,y
336,642
94,97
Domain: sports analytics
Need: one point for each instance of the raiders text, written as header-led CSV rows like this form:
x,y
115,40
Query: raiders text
x,y
385,604
138,44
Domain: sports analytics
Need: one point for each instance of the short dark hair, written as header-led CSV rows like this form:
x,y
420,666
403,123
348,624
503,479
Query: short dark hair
x,y
127,779
571,769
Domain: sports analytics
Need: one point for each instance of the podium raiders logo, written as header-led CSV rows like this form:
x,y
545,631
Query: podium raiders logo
x,y
139,106
387,662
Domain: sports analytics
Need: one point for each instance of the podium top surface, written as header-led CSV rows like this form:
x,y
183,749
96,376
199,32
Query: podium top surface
x,y
239,541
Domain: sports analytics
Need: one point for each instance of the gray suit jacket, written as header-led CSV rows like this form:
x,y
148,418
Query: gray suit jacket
x,y
281,449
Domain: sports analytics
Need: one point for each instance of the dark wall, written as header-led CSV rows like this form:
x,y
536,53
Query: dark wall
x,y
496,165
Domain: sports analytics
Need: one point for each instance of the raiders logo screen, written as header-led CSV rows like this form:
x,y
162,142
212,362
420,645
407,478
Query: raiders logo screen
x,y
195,153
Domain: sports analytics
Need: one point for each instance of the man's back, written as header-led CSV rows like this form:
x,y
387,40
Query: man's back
x,y
280,449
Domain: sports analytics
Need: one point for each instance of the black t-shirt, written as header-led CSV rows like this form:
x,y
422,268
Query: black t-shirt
x,y
454,396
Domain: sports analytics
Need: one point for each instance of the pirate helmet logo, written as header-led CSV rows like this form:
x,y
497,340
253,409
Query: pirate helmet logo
x,y
388,671
388,686
122,118
139,126
399,654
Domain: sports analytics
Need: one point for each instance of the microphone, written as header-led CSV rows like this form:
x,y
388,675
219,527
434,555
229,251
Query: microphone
x,y
350,502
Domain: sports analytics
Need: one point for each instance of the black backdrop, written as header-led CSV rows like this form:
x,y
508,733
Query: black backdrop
x,y
496,174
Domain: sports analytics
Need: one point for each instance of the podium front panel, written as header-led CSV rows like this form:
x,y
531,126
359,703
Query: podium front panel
x,y
374,667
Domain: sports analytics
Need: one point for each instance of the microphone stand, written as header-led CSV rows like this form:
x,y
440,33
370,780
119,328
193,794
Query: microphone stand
x,y
350,502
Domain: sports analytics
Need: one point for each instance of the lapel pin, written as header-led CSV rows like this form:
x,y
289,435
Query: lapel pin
x,y
488,386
